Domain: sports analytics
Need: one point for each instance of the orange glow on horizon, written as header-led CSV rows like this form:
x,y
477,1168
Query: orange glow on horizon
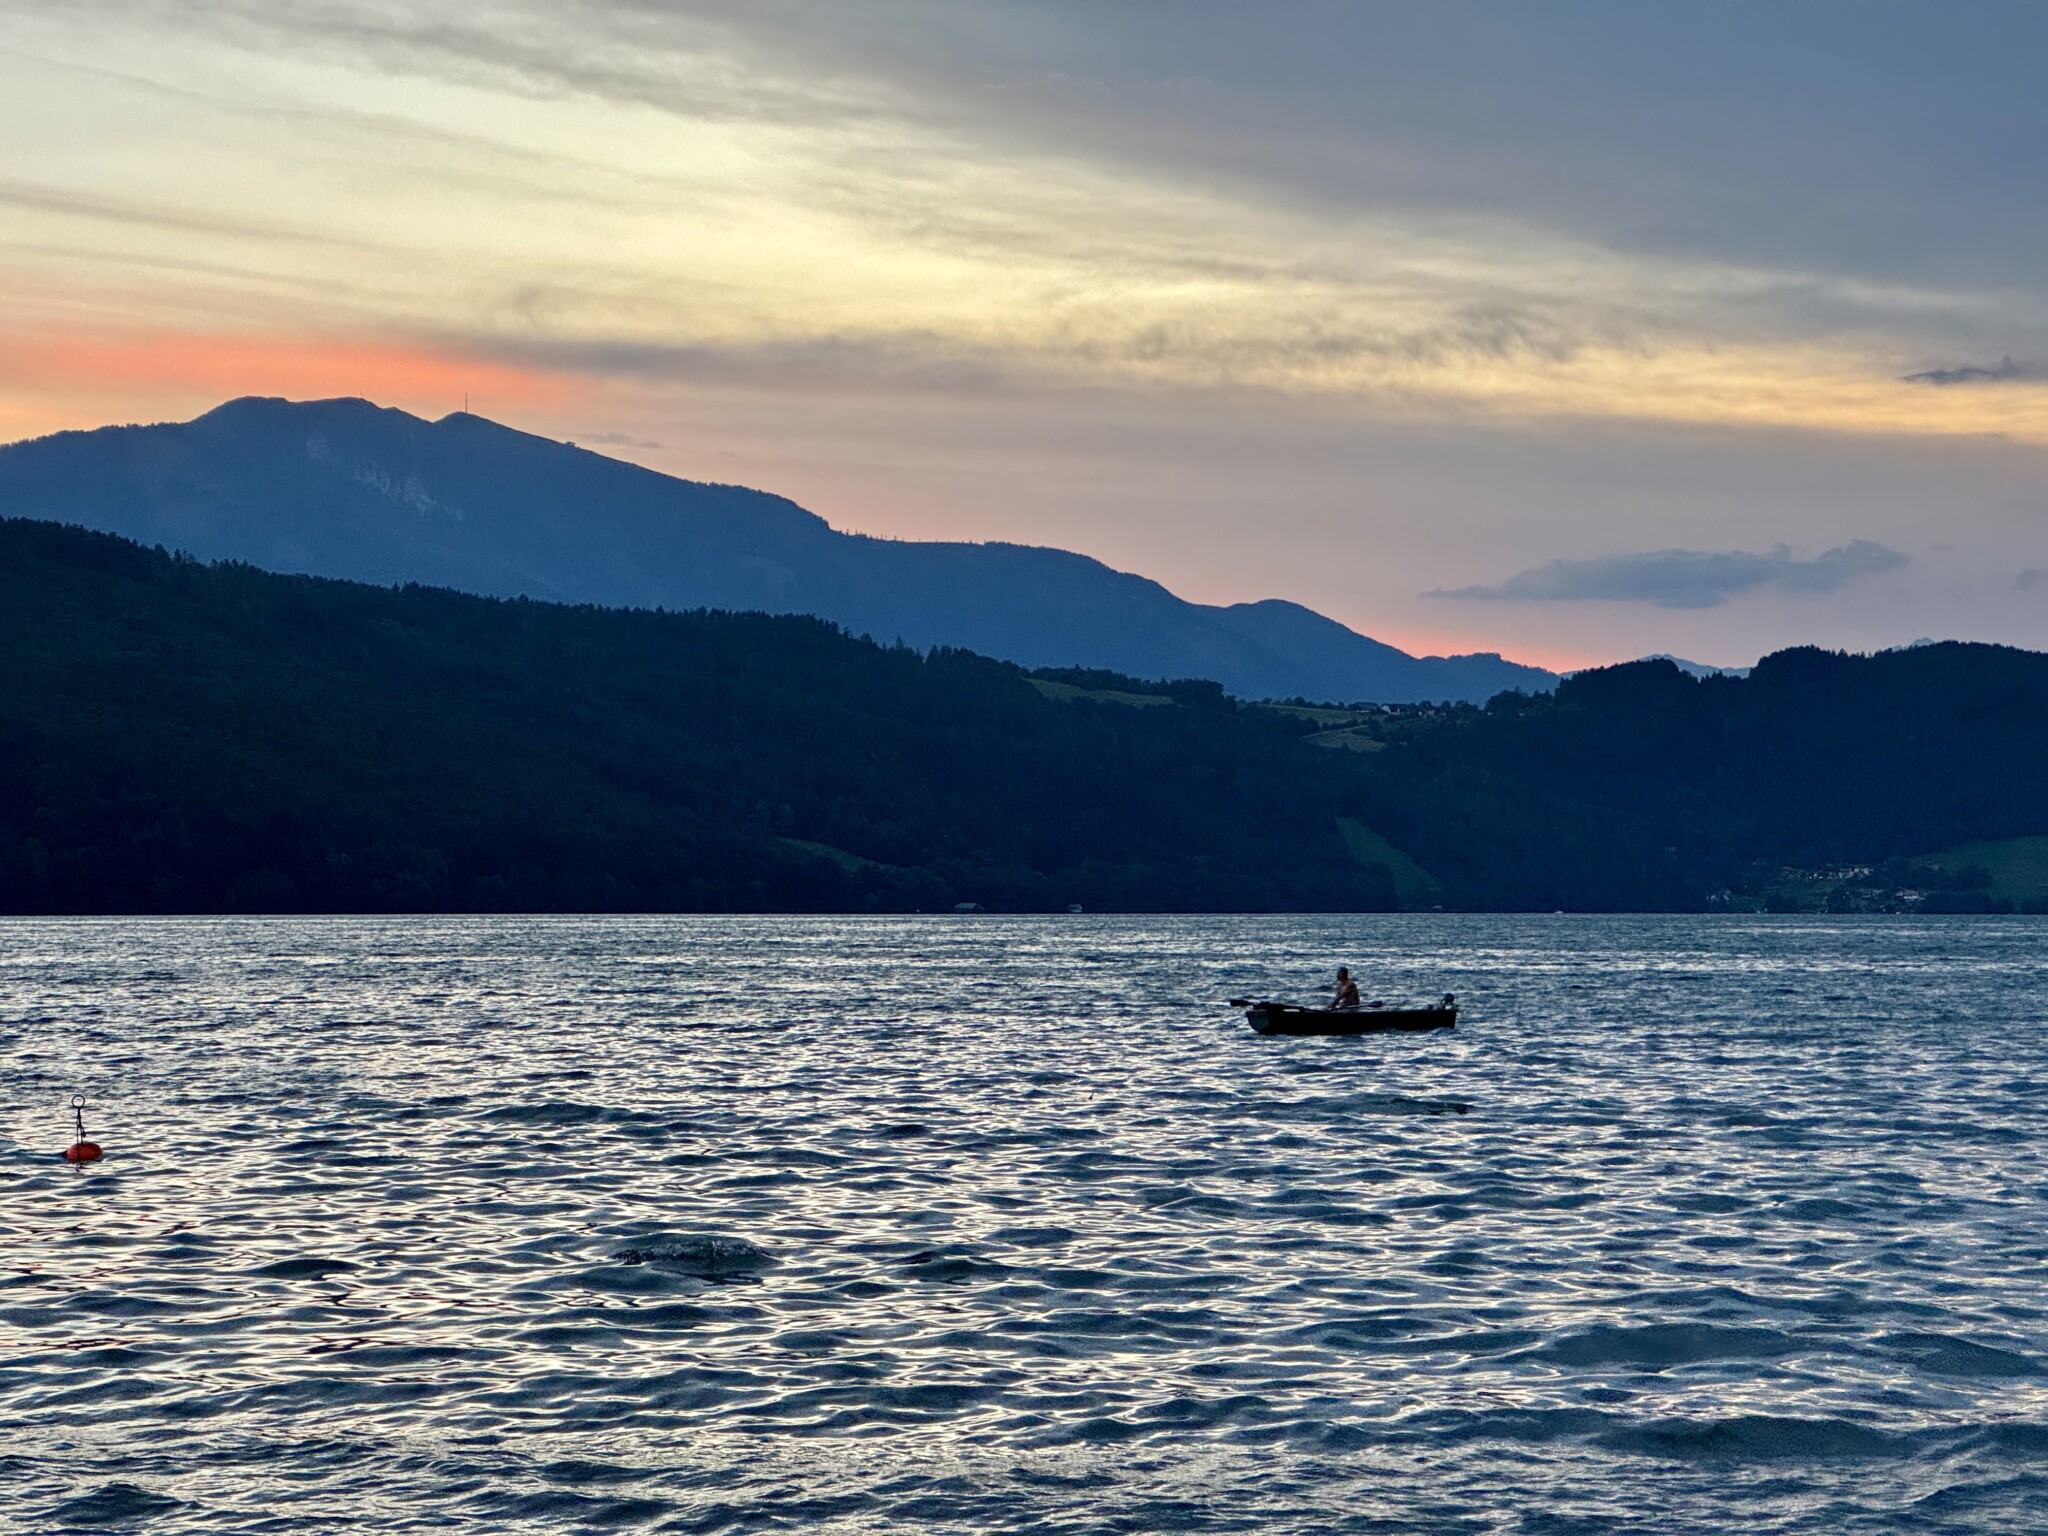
x,y
1439,643
90,377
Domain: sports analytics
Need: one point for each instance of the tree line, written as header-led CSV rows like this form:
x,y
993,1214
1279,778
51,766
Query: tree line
x,y
183,737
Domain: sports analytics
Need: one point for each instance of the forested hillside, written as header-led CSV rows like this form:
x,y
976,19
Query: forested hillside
x,y
1640,779
183,737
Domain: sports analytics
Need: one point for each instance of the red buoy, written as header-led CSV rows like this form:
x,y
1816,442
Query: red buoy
x,y
81,1150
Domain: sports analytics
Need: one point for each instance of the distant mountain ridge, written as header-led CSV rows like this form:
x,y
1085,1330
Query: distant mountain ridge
x,y
349,489
1695,668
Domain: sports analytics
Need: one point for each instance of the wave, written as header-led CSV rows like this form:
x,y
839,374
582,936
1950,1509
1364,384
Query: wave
x,y
706,1256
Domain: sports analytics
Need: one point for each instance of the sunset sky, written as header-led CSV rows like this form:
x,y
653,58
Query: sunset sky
x,y
1570,330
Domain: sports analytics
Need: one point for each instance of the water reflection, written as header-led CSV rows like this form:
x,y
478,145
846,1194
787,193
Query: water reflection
x,y
992,1223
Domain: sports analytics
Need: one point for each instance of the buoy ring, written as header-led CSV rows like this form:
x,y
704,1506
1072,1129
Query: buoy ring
x,y
81,1150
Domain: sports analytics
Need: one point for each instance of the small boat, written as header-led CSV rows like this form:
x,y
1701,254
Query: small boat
x,y
1366,1019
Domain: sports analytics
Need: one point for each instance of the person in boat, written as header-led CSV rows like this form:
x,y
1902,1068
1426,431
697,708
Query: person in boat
x,y
1347,989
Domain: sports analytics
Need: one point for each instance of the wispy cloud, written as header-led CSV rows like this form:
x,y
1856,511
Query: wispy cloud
x,y
941,199
2005,372
710,62
1687,578
157,218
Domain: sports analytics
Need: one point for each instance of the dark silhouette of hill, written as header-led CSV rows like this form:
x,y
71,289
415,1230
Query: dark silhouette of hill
x,y
181,737
177,736
346,489
1642,786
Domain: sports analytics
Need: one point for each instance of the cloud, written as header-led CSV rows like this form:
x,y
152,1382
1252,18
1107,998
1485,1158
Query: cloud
x,y
945,196
2029,579
1699,129
622,440
710,62
159,219
917,362
1687,578
2006,372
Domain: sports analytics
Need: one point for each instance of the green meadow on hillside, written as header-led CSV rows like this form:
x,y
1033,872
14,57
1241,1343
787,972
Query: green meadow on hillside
x,y
2018,866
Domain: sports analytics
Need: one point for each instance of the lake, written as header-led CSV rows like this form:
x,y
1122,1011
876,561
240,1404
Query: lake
x,y
988,1223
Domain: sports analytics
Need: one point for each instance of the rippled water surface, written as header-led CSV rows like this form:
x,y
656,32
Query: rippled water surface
x,y
990,1223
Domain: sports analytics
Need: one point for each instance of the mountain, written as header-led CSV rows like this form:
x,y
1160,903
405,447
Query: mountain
x,y
1695,668
344,488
